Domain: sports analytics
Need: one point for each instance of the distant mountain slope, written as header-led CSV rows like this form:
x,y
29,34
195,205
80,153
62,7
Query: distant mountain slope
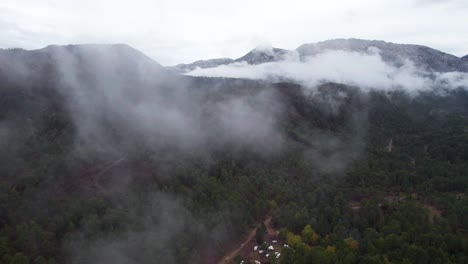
x,y
256,56
263,54
117,60
200,64
395,54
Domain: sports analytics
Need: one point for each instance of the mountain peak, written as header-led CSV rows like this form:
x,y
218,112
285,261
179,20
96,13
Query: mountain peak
x,y
392,53
267,49
119,51
259,55
116,61
356,45
262,54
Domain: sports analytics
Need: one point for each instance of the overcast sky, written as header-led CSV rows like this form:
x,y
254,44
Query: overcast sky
x,y
176,31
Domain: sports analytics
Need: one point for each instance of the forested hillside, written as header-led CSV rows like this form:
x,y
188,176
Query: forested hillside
x,y
111,159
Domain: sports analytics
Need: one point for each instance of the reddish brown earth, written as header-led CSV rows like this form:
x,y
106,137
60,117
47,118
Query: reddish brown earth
x,y
433,211
355,205
102,176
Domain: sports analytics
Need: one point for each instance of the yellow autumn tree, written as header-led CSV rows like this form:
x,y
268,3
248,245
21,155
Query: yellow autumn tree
x,y
309,235
293,240
351,243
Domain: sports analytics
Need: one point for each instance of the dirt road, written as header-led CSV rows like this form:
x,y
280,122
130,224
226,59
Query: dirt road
x,y
250,236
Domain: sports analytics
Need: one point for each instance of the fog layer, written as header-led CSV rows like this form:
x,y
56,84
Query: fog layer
x,y
366,70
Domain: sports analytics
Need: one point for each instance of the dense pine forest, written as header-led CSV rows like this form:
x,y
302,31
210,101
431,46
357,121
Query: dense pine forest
x,y
94,169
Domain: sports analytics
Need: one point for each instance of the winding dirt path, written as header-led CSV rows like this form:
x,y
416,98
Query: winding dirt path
x,y
251,235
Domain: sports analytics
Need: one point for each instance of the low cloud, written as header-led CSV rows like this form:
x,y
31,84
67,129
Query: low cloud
x,y
118,109
366,70
452,79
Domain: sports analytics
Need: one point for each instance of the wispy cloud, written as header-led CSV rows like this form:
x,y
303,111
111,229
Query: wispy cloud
x,y
366,70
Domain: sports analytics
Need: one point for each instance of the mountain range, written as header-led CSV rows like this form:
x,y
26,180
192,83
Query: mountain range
x,y
395,54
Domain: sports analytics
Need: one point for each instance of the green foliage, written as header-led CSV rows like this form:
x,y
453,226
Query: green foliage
x,y
19,258
237,259
260,235
48,197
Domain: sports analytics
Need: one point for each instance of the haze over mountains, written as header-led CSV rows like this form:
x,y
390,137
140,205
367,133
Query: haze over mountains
x,y
256,56
394,54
